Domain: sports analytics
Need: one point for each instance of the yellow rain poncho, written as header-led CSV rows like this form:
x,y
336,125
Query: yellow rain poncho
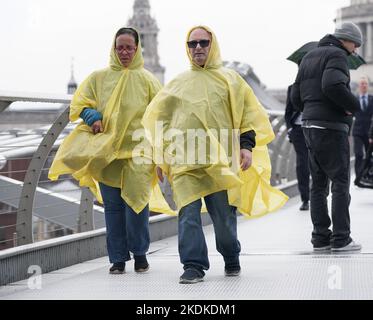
x,y
213,99
121,95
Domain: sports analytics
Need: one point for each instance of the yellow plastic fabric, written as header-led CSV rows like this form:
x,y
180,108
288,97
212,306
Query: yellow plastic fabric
x,y
121,95
214,97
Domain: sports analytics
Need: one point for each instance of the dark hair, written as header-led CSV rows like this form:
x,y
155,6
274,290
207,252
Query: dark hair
x,y
129,31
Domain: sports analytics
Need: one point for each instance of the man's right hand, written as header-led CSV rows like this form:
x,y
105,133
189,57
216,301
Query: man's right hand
x,y
160,174
371,141
97,127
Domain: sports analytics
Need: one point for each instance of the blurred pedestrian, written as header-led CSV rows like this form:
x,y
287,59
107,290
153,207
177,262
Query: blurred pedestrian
x,y
360,131
293,119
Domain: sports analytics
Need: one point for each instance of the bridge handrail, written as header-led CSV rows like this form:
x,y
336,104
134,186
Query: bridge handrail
x,y
279,151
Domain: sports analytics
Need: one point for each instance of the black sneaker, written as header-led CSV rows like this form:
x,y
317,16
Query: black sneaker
x,y
190,276
117,268
141,264
233,271
322,249
305,206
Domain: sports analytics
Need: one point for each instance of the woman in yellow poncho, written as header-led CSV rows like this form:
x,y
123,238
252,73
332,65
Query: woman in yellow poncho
x,y
217,103
99,152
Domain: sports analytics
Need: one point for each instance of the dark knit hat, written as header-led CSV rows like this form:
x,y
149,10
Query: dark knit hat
x,y
349,31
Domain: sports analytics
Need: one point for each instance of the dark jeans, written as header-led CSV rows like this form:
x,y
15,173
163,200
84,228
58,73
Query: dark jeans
x,y
192,244
302,167
125,229
329,155
361,145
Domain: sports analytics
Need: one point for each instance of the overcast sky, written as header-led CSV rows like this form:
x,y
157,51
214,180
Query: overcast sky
x,y
39,37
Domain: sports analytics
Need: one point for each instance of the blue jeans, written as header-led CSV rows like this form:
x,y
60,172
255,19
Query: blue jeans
x,y
192,243
125,229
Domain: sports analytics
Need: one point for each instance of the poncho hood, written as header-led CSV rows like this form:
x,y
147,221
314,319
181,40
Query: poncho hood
x,y
136,63
214,59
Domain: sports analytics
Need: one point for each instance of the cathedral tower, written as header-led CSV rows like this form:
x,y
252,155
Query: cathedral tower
x,y
148,29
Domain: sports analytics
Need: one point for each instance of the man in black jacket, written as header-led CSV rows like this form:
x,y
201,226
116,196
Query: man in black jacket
x,y
293,119
360,131
322,92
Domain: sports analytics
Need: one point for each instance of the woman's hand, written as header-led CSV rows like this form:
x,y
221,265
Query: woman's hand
x,y
97,127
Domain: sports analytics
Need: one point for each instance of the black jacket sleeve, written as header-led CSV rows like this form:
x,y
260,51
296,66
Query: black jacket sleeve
x,y
247,140
288,109
295,98
335,83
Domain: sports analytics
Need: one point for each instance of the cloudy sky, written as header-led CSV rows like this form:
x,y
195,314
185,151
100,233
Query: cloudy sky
x,y
39,37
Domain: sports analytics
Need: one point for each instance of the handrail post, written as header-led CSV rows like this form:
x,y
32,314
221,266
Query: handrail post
x,y
86,211
26,203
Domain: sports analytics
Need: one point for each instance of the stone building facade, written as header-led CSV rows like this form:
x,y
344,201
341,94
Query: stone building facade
x,y
361,13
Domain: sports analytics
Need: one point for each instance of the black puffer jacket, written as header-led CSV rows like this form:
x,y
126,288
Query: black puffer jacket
x,y
322,87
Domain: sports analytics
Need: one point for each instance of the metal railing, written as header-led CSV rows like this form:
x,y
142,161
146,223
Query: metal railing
x,y
281,153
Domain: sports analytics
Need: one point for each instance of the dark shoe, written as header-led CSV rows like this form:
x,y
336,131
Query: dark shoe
x,y
351,247
305,206
190,276
141,264
117,268
323,249
232,271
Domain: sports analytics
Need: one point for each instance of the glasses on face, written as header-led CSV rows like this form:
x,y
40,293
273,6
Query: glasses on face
x,y
128,49
194,43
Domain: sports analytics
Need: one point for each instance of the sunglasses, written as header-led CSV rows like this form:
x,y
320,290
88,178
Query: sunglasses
x,y
194,43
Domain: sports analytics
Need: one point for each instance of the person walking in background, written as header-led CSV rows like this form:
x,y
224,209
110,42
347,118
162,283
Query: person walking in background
x,y
322,92
360,131
365,178
99,151
216,103
293,119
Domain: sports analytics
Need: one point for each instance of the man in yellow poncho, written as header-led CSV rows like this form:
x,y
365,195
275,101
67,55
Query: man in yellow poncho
x,y
99,152
212,104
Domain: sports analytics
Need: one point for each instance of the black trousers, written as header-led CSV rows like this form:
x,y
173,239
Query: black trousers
x,y
329,158
302,167
361,145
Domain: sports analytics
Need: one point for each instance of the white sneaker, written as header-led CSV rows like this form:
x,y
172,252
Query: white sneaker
x,y
352,246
